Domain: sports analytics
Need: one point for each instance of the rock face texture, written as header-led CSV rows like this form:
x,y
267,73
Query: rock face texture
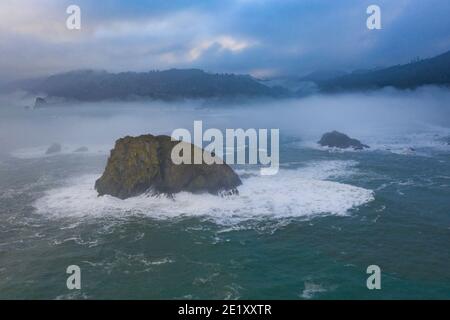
x,y
54,148
337,139
143,164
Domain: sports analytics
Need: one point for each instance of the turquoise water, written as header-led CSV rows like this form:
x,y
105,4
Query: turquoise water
x,y
405,229
309,232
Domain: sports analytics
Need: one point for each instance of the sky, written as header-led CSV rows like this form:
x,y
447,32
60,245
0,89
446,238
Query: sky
x,y
264,38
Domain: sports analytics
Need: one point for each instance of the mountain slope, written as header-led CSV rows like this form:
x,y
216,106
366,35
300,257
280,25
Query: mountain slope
x,y
322,75
433,71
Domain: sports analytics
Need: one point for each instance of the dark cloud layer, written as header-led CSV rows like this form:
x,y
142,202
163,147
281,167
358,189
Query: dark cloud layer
x,y
261,37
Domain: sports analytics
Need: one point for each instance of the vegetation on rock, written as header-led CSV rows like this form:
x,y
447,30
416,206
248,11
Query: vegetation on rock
x,y
143,164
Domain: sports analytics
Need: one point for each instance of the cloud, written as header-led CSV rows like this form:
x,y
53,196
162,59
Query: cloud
x,y
20,17
244,36
221,43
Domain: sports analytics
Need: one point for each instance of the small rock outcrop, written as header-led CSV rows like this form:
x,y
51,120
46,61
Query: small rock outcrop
x,y
39,102
143,164
81,149
446,140
337,139
54,148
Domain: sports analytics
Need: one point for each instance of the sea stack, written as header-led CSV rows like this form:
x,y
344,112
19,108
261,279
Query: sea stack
x,y
54,148
81,149
39,102
143,164
337,139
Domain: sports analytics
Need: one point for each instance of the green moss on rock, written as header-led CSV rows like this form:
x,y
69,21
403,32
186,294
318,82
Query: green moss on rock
x,y
143,164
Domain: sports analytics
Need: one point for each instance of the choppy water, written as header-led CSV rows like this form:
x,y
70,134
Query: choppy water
x,y
307,233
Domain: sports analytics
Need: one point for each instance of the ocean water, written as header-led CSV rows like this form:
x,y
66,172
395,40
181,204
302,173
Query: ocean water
x,y
308,232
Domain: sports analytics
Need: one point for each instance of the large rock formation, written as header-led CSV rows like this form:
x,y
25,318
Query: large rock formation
x,y
336,139
143,164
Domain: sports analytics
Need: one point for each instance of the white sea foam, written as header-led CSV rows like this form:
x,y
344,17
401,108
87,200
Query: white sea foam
x,y
311,290
302,192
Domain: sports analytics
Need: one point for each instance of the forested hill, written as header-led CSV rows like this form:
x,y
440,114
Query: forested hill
x,y
433,71
88,85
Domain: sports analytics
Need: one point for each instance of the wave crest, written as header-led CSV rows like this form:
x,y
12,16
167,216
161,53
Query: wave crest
x,y
302,192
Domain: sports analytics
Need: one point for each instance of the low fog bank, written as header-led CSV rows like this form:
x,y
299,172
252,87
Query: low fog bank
x,y
362,115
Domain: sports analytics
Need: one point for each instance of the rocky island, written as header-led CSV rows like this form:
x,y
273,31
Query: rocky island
x,y
39,102
143,164
340,140
81,149
54,148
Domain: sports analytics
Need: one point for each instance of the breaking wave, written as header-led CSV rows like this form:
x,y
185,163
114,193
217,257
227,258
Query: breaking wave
x,y
301,192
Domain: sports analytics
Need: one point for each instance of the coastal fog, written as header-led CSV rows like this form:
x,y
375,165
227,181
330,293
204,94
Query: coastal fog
x,y
373,116
308,232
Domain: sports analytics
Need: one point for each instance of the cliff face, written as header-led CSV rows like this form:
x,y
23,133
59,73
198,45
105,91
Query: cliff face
x,y
143,164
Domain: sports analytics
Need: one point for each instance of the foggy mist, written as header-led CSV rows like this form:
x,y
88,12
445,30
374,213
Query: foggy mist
x,y
370,115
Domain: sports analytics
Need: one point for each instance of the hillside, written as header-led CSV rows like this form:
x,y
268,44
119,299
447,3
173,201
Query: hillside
x,y
165,85
433,71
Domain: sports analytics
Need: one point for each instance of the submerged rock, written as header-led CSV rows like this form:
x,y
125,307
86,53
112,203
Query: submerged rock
x,y
143,164
39,102
408,151
337,139
445,140
54,148
81,149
